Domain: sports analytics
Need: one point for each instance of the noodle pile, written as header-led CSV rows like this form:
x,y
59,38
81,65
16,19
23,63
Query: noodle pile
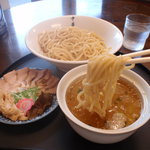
x,y
71,43
100,82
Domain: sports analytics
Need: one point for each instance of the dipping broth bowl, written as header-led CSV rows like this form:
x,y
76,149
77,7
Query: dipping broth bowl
x,y
98,135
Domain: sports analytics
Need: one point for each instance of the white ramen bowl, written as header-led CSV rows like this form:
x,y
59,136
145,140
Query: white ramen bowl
x,y
111,35
101,135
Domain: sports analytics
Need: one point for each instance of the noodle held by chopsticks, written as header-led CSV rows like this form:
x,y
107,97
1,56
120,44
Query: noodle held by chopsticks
x,y
100,83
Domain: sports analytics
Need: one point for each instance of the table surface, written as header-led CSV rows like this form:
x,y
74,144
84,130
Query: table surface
x,y
53,132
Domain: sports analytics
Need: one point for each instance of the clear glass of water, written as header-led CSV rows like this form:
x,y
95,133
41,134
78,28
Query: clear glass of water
x,y
3,26
136,31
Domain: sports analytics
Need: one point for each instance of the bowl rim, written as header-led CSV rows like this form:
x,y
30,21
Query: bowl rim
x,y
61,97
68,16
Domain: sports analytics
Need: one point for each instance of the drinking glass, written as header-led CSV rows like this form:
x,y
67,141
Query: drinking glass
x,y
136,31
3,26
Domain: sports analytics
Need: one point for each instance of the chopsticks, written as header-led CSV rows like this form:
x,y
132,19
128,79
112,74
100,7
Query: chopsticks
x,y
138,60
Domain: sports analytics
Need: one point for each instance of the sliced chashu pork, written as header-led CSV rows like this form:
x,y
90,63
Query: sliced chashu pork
x,y
22,79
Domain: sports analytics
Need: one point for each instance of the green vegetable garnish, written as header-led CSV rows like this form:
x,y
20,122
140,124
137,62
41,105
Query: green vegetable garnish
x,y
32,93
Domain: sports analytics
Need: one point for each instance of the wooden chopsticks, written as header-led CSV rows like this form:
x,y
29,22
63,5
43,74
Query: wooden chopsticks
x,y
138,60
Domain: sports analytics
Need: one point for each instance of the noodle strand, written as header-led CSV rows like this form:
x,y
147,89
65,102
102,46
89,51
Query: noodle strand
x,y
100,83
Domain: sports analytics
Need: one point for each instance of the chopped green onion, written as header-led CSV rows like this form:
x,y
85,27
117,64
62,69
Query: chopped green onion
x,y
32,93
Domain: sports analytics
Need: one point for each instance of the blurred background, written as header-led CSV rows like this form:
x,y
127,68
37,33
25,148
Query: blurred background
x,y
12,3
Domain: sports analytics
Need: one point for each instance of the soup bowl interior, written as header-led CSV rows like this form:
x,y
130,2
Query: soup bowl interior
x,y
96,134
111,35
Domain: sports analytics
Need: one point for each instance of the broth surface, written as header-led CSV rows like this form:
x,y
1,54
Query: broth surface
x,y
126,100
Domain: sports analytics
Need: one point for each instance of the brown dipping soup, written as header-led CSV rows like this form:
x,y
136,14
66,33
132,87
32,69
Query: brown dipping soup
x,y
127,100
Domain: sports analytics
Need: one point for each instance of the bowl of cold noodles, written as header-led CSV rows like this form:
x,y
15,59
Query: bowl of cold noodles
x,y
104,101
70,41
